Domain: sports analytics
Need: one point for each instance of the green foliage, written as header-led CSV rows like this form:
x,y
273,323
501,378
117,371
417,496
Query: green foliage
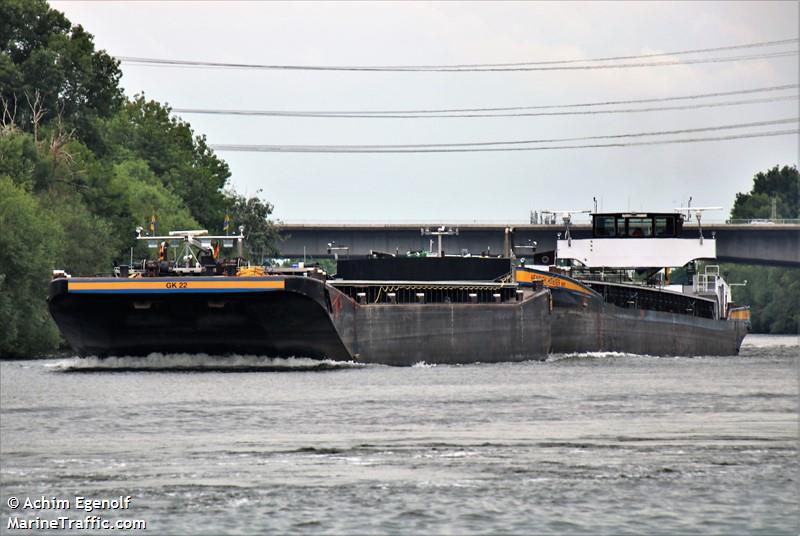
x,y
42,53
772,293
87,241
18,158
781,184
142,195
29,240
261,236
145,130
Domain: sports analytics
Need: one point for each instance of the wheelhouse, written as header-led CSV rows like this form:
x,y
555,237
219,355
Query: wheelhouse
x,y
631,225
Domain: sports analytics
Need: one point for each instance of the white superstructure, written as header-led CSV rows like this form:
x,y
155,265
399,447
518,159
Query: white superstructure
x,y
635,240
634,253
641,249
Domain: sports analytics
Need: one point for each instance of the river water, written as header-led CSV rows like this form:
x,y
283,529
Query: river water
x,y
599,444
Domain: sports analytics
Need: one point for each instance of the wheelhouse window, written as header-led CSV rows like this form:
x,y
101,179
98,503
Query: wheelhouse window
x,y
620,226
605,226
665,227
640,227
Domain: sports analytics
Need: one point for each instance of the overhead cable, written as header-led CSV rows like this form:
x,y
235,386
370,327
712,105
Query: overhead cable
x,y
379,113
548,140
545,65
473,115
377,149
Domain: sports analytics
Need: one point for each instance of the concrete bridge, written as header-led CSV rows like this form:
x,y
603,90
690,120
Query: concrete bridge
x,y
766,244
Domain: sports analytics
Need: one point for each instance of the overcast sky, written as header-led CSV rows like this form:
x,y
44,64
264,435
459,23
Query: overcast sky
x,y
462,186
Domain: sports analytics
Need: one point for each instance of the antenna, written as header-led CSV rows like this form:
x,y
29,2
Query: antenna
x,y
696,209
698,214
566,217
566,212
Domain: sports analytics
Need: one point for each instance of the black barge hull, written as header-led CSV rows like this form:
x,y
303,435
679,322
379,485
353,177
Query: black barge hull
x,y
609,328
255,316
402,334
584,320
289,317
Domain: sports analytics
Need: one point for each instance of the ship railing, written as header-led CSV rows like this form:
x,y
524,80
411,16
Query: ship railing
x,y
701,284
655,299
706,283
619,277
382,292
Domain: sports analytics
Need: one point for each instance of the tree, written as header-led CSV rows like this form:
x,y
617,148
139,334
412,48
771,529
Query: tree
x,y
184,163
261,236
40,51
88,245
19,158
29,241
143,196
772,293
780,184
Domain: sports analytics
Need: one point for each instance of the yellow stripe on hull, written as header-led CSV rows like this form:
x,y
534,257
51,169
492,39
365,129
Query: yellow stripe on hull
x,y
172,285
524,276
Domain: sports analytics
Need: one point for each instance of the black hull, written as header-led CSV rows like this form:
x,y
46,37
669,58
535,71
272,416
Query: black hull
x,y
292,322
583,321
455,333
588,324
643,332
304,318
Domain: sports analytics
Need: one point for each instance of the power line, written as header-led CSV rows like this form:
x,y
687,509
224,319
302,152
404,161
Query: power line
x,y
474,115
618,58
545,140
371,113
205,64
546,65
379,149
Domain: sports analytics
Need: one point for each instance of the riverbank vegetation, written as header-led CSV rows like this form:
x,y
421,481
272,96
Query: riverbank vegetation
x,y
82,165
772,293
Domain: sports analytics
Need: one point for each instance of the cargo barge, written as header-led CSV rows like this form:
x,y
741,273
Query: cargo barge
x,y
616,291
613,291
452,310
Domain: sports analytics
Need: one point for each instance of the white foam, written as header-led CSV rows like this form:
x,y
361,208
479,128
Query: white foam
x,y
558,357
760,340
159,361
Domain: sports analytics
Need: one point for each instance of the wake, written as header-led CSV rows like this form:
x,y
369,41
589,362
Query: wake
x,y
198,363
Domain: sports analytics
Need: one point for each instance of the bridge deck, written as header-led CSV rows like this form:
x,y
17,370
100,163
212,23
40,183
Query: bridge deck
x,y
775,244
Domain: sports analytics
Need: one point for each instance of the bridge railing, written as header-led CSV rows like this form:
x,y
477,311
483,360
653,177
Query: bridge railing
x,y
764,221
428,223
